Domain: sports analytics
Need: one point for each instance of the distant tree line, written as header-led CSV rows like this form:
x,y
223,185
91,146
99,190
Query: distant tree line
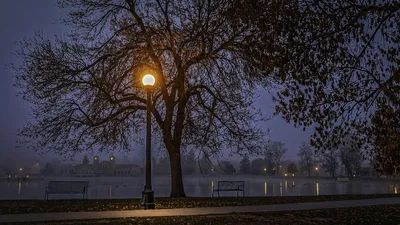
x,y
193,165
330,160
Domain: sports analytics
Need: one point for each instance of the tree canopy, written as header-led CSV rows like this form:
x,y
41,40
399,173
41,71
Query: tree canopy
x,y
350,53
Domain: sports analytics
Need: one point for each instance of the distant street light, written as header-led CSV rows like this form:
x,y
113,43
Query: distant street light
x,y
316,170
148,194
265,169
20,169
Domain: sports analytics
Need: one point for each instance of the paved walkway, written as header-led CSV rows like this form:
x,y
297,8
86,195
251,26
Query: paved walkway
x,y
194,211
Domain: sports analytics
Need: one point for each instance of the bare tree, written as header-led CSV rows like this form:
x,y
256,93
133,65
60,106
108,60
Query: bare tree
x,y
277,151
85,160
307,157
208,58
269,163
351,159
292,168
245,165
330,161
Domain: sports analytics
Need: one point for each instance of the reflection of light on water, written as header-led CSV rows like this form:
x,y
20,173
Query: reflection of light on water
x,y
212,185
286,185
395,189
280,189
265,188
273,189
109,192
317,188
293,184
19,189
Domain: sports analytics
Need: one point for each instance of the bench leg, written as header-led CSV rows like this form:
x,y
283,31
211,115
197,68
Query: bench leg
x,y
85,193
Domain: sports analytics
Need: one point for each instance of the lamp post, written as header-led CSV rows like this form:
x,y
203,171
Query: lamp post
x,y
148,194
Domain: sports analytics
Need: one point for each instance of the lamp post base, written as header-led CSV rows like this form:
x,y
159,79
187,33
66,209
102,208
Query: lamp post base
x,y
147,198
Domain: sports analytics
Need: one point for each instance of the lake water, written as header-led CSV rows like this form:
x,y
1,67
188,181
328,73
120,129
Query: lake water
x,y
131,187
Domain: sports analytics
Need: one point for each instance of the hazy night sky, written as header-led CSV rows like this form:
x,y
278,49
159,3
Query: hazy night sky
x,y
21,18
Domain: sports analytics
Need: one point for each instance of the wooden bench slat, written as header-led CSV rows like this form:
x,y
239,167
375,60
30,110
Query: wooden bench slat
x,y
67,187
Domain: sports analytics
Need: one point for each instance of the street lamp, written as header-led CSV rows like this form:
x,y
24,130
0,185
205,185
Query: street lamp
x,y
316,170
148,194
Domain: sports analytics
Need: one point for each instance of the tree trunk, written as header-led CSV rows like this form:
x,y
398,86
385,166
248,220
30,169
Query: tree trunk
x,y
177,189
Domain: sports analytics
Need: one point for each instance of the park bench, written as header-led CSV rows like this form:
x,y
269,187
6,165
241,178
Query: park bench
x,y
237,186
67,187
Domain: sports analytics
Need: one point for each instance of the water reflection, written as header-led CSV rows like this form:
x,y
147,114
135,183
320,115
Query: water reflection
x,y
273,189
111,188
265,188
19,189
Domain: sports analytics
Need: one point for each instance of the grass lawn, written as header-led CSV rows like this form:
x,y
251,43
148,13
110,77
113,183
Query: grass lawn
x,y
41,206
385,214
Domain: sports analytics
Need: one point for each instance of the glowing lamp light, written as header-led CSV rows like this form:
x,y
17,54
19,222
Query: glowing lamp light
x,y
316,168
265,169
148,80
292,175
285,174
20,169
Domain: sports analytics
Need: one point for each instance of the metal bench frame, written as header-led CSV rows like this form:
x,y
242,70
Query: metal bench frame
x,y
237,186
67,187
